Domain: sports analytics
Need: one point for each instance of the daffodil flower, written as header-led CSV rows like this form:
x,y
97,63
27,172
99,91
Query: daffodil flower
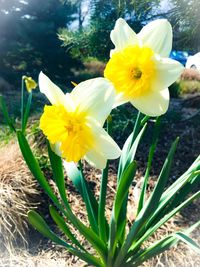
x,y
30,83
139,66
73,123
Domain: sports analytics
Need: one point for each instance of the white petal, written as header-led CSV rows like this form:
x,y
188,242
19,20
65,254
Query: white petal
x,y
52,91
120,99
154,104
157,35
56,149
168,71
106,144
96,97
105,148
122,35
96,159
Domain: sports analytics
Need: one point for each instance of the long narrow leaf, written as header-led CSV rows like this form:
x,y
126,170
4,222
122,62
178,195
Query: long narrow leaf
x,y
63,226
57,168
150,206
116,221
130,140
128,155
123,188
102,222
77,178
149,163
39,223
186,239
90,211
37,173
129,150
34,166
176,194
165,244
151,230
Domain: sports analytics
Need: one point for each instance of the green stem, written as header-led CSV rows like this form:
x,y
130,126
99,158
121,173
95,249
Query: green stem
x,y
22,104
27,112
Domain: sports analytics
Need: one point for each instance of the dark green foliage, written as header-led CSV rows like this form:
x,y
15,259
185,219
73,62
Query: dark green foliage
x,y
29,40
94,40
175,90
184,15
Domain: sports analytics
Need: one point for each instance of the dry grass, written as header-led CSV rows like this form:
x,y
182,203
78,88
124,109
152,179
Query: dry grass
x,y
46,258
17,195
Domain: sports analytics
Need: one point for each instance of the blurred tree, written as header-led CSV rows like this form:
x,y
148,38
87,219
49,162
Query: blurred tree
x,y
29,43
93,40
185,17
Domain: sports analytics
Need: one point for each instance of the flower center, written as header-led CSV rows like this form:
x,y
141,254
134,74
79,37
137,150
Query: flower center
x,y
70,129
136,73
132,71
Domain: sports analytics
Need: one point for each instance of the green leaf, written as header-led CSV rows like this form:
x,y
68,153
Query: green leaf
x,y
165,244
63,226
118,223
130,146
150,206
27,112
34,166
123,188
177,192
37,173
102,222
157,225
6,114
128,155
39,224
149,163
176,196
57,168
186,239
77,178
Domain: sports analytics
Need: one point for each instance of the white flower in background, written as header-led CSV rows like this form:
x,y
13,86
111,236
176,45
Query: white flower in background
x,y
73,123
139,67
